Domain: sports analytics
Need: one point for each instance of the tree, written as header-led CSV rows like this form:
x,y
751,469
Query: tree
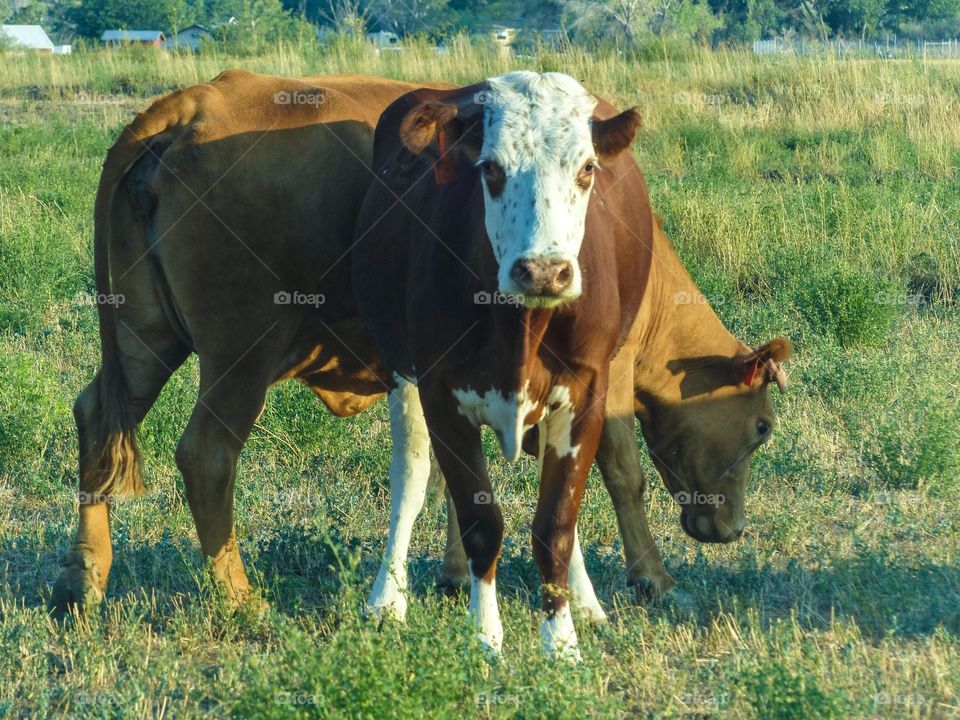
x,y
407,17
91,17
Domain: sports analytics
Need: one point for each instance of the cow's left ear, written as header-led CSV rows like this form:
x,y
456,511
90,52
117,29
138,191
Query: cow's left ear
x,y
422,124
611,137
766,358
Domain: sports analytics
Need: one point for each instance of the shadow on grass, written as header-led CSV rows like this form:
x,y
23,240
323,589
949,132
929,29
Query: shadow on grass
x,y
303,569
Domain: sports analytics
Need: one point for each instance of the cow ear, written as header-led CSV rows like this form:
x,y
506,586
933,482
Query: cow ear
x,y
611,137
422,124
766,359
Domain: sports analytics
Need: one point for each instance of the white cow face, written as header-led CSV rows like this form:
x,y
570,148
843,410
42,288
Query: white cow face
x,y
541,148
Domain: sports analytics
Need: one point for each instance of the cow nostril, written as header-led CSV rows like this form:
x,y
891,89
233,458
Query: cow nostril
x,y
522,273
564,274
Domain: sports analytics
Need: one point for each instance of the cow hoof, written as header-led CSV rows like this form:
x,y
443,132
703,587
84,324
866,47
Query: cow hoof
x,y
492,642
385,609
681,601
593,614
253,605
78,589
453,588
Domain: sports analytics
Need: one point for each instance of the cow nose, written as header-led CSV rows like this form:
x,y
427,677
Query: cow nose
x,y
542,276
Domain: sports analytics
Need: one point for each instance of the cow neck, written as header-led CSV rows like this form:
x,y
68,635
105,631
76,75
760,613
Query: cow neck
x,y
677,324
520,331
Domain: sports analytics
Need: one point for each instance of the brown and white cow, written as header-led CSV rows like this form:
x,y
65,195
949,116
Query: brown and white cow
x,y
703,401
490,273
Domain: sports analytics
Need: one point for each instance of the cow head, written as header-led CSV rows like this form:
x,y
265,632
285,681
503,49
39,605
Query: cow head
x,y
702,440
538,147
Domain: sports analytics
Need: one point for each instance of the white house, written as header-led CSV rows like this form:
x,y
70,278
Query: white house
x,y
190,37
26,37
385,40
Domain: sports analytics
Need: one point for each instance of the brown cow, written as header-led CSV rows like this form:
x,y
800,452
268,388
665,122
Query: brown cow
x,y
502,285
224,217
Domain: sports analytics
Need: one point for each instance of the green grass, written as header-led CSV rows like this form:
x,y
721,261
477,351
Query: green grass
x,y
810,197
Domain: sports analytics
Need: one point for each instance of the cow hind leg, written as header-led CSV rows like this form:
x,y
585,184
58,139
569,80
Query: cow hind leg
x,y
109,460
207,456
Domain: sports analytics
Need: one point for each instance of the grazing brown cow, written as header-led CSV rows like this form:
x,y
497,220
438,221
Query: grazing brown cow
x,y
488,272
703,401
224,217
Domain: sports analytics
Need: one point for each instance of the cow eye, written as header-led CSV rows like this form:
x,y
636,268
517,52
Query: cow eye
x,y
763,428
585,176
494,176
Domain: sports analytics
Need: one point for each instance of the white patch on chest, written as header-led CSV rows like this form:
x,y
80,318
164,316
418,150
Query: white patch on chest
x,y
506,414
560,416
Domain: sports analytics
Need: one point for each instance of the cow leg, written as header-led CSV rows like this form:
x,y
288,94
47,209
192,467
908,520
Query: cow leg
x,y
459,452
145,369
454,574
582,595
207,454
570,444
620,468
409,475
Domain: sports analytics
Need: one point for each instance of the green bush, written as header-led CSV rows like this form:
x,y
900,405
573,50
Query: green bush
x,y
777,692
851,305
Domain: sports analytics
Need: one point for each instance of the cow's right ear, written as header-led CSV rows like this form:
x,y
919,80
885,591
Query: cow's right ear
x,y
422,124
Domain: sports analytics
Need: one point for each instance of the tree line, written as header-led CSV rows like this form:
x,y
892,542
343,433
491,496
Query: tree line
x,y
624,22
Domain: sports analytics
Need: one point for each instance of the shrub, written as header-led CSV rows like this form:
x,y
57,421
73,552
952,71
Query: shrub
x,y
852,305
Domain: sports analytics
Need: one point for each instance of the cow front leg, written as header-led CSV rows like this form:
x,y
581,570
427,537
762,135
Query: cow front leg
x,y
569,446
457,446
409,475
454,575
623,477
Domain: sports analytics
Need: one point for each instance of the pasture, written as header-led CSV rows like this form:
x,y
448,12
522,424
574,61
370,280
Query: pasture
x,y
809,197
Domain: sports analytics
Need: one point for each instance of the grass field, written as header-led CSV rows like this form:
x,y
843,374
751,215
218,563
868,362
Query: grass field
x,y
814,198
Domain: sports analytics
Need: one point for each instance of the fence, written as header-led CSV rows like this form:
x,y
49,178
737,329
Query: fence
x,y
889,47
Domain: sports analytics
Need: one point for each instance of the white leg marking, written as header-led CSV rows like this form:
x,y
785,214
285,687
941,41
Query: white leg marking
x,y
409,472
483,608
559,636
582,596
